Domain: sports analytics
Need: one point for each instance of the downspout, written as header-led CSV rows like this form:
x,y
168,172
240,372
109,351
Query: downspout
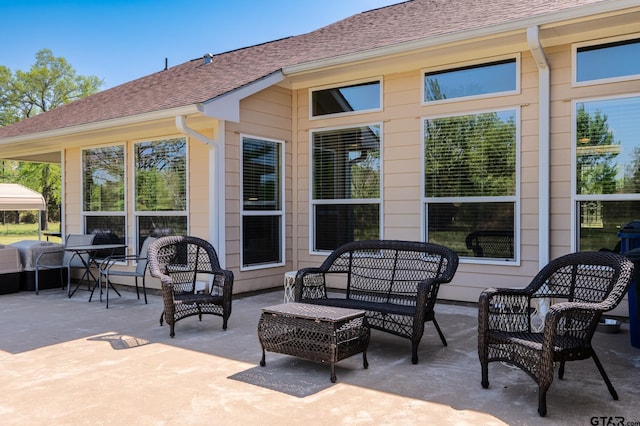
x,y
217,203
544,84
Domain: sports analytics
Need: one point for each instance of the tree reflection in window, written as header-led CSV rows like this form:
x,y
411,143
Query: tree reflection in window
x,y
161,175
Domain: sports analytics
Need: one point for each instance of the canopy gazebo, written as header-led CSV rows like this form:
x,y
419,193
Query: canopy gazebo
x,y
14,196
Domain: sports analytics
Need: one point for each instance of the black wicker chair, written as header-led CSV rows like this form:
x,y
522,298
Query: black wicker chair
x,y
578,288
193,283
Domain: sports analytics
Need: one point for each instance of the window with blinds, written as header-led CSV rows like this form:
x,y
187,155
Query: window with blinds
x,y
346,184
470,180
103,194
262,202
160,174
607,169
103,180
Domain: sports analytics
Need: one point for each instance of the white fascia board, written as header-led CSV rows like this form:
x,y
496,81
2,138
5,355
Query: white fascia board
x,y
103,125
519,25
227,106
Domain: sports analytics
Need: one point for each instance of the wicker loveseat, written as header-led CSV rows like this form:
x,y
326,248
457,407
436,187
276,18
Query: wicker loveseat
x,y
193,283
395,282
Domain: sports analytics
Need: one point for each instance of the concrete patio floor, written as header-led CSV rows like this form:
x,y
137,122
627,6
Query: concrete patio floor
x,y
69,362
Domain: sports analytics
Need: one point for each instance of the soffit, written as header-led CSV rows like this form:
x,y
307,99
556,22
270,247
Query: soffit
x,y
460,48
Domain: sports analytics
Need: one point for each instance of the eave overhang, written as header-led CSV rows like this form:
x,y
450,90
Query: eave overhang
x,y
227,106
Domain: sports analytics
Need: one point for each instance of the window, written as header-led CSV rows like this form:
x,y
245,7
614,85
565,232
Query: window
x,y
103,194
262,202
494,78
615,60
160,169
345,99
607,169
470,181
346,184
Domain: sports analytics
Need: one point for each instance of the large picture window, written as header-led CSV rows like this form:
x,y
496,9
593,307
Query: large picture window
x,y
488,79
607,169
103,194
262,202
358,97
470,183
346,186
160,168
614,60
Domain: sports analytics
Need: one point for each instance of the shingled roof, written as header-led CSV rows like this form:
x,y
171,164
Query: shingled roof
x,y
194,82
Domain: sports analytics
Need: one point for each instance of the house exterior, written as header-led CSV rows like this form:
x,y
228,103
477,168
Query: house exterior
x,y
426,120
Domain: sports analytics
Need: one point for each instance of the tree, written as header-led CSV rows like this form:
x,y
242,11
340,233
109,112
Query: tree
x,y
596,152
49,83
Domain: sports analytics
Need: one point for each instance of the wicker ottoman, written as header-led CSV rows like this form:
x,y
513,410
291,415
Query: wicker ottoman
x,y
318,333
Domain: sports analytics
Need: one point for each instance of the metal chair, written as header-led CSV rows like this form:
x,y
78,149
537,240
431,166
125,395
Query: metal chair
x,y
51,259
193,283
578,288
141,260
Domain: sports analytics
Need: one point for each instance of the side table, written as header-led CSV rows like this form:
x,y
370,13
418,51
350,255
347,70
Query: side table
x,y
318,333
313,286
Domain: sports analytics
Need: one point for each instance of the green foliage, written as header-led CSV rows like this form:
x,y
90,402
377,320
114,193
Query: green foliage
x,y
103,181
161,175
49,83
596,152
470,155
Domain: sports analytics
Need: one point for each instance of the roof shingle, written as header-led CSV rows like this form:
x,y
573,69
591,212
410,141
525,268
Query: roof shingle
x,y
193,82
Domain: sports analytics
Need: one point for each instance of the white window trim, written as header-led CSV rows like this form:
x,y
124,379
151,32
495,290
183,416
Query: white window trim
x,y
574,62
280,212
312,203
516,199
516,91
132,170
378,79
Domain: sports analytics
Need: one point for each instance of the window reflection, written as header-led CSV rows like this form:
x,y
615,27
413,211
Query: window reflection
x,y
357,97
485,79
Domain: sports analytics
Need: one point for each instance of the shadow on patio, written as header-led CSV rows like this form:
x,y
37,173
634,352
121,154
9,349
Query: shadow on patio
x,y
66,361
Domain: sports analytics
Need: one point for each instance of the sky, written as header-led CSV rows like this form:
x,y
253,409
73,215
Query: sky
x,y
121,40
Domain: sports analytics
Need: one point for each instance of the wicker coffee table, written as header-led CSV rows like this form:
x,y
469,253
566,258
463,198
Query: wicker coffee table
x,y
318,333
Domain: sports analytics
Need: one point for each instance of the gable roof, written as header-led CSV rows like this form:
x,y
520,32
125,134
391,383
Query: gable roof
x,y
194,82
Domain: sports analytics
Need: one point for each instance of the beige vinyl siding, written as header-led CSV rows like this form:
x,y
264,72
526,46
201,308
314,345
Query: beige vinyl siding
x,y
72,191
199,191
402,142
266,114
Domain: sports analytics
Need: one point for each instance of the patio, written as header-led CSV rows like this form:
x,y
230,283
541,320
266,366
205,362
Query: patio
x,y
67,361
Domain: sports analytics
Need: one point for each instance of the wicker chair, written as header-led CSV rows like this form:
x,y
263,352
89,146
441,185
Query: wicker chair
x,y
193,283
578,288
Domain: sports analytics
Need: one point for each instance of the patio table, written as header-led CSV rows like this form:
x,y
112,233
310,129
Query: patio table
x,y
90,251
318,333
